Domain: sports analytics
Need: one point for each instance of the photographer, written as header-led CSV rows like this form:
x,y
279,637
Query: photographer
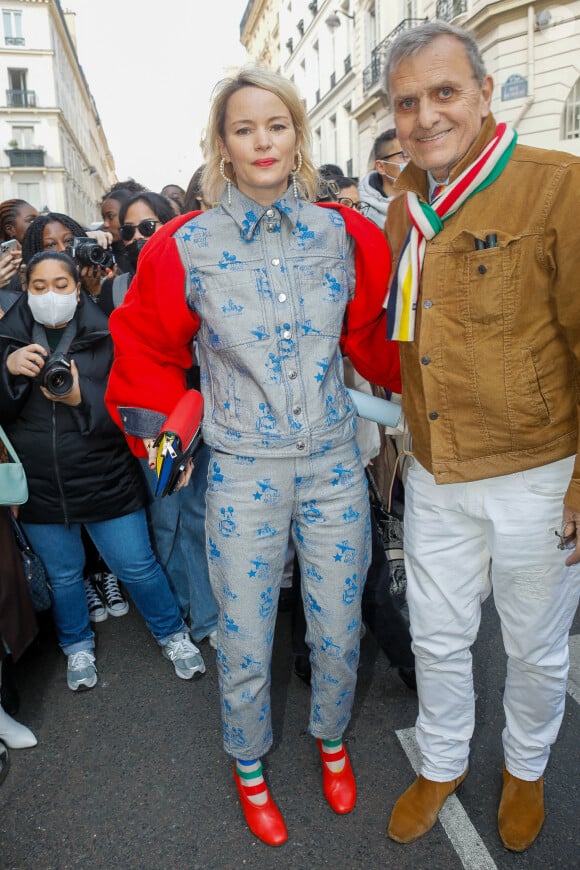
x,y
59,232
55,356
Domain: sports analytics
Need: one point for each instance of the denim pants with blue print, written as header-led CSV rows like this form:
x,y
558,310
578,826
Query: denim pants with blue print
x,y
252,502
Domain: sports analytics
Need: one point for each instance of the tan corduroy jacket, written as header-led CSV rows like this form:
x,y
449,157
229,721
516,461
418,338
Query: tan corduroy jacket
x,y
491,382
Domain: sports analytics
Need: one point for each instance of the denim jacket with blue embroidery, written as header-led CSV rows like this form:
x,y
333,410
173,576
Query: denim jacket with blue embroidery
x,y
270,286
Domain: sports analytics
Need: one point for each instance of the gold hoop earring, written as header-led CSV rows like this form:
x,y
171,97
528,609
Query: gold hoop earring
x,y
227,180
295,172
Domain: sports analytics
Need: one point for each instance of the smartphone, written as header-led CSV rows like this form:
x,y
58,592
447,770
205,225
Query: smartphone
x,y
10,245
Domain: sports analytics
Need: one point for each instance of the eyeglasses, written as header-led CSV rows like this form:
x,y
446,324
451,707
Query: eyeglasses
x,y
567,537
146,228
387,157
361,206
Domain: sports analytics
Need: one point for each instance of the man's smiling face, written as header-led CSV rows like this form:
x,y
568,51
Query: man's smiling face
x,y
439,106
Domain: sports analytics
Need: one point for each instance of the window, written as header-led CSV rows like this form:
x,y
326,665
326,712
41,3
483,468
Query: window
x,y
571,114
12,22
17,96
23,136
29,191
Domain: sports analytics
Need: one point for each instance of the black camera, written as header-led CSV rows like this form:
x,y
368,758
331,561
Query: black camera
x,y
88,252
56,375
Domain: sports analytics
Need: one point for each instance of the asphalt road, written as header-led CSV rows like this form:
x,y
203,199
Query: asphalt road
x,y
132,775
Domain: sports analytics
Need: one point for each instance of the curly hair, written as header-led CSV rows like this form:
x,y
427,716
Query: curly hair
x,y
32,243
8,213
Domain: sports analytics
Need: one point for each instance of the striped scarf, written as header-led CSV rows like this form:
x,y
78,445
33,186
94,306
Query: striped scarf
x,y
427,221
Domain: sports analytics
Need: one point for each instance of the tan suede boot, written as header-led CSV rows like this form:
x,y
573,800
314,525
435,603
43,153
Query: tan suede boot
x,y
521,811
417,809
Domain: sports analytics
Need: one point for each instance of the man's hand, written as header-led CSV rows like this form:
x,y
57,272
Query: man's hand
x,y
570,537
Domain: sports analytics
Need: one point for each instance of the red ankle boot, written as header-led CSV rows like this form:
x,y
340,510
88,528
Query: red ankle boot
x,y
263,820
339,788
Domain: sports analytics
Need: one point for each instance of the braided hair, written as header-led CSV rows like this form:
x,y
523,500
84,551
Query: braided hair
x,y
32,242
8,213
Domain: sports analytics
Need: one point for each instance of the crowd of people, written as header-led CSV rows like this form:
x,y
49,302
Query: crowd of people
x,y
271,286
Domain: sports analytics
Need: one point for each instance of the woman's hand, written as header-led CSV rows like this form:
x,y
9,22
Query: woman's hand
x,y
27,361
151,449
9,265
104,238
91,277
73,397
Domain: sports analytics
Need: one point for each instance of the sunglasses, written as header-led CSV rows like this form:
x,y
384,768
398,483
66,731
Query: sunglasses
x,y
146,228
387,157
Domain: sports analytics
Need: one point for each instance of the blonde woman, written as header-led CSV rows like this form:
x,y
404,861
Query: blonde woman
x,y
265,280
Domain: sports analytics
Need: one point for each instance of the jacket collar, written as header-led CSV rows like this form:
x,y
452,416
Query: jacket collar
x,y
415,179
248,214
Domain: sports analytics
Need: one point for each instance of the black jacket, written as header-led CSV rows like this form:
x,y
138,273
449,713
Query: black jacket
x,y
77,462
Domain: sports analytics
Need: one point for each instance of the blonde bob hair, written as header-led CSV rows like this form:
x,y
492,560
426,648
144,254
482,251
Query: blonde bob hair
x,y
256,77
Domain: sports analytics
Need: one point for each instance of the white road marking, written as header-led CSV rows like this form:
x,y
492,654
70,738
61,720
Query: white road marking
x,y
574,673
463,836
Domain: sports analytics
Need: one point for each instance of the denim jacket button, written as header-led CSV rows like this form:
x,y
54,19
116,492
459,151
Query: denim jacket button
x,y
282,297
297,410
292,375
300,445
433,415
482,269
275,261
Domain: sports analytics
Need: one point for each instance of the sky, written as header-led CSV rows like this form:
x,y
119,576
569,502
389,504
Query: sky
x,y
151,68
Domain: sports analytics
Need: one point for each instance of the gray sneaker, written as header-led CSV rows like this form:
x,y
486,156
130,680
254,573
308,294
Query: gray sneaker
x,y
81,672
187,659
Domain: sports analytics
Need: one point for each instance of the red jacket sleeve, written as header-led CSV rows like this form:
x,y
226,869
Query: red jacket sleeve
x,y
153,331
364,335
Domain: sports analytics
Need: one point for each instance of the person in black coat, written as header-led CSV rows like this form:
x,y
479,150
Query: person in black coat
x,y
55,356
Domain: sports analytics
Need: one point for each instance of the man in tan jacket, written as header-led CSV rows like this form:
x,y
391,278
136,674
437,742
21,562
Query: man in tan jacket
x,y
485,304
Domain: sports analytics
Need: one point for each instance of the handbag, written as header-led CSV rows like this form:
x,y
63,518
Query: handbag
x,y
391,531
178,440
13,485
34,572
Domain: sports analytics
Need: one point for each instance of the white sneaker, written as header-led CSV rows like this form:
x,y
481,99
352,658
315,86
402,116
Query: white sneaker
x,y
81,671
187,659
212,639
14,734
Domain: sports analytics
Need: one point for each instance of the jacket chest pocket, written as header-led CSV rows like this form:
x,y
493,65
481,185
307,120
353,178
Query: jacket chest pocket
x,y
233,307
323,297
485,277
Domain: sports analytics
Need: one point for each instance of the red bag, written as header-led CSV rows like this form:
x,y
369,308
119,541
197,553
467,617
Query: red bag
x,y
178,441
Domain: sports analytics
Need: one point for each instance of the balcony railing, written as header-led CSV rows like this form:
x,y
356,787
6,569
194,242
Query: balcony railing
x,y
374,71
25,156
447,10
21,99
13,40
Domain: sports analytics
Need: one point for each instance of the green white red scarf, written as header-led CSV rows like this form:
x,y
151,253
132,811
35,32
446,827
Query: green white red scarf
x,y
427,221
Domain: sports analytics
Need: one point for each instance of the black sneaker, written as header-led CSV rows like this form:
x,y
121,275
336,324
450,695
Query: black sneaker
x,y
97,607
114,599
4,762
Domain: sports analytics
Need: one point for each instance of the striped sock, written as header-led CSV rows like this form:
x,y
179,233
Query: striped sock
x,y
334,747
252,778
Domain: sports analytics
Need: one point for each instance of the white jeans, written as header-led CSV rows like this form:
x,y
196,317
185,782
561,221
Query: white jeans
x,y
452,531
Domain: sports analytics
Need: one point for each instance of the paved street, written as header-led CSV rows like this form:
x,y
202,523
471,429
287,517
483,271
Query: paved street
x,y
131,774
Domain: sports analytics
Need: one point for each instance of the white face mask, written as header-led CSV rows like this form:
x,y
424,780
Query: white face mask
x,y
399,168
53,309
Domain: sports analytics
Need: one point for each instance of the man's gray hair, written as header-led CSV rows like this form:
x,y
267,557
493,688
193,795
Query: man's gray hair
x,y
409,42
